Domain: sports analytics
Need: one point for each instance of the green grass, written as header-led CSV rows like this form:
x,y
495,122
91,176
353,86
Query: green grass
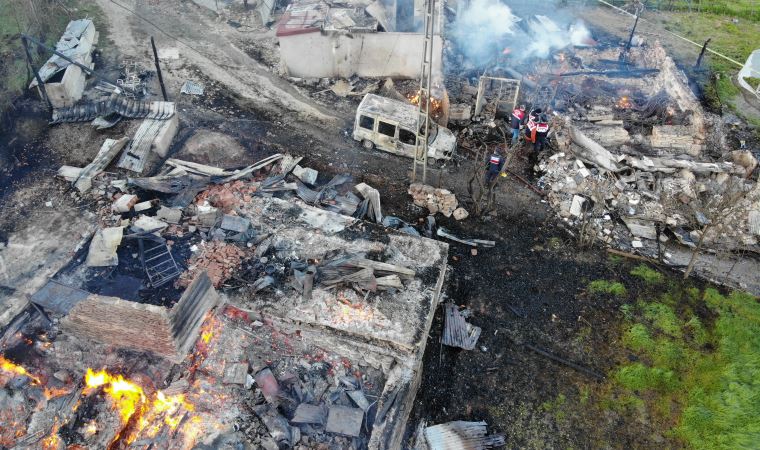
x,y
607,287
638,377
649,275
708,396
662,318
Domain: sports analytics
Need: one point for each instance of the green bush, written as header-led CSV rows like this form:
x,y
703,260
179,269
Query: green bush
x,y
607,287
649,275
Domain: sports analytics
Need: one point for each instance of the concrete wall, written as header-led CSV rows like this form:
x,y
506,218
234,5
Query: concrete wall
x,y
330,55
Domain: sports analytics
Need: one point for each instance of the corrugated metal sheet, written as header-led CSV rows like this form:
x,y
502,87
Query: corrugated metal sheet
x,y
137,152
58,297
125,107
754,222
461,435
457,332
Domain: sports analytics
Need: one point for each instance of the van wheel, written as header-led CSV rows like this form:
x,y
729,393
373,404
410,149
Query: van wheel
x,y
367,144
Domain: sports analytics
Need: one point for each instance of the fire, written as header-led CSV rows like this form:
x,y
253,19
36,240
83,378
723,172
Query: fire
x,y
148,413
127,396
435,104
349,312
9,366
54,392
53,441
624,103
91,428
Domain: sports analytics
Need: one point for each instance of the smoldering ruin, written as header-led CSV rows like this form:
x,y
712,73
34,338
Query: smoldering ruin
x,y
204,285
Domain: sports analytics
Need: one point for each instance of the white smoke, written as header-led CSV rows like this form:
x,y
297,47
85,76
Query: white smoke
x,y
479,31
487,27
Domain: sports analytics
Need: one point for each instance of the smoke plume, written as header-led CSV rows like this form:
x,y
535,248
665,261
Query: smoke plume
x,y
481,29
486,29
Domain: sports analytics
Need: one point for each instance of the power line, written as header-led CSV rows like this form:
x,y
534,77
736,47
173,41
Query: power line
x,y
160,30
676,35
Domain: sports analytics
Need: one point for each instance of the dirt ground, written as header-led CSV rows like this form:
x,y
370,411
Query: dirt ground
x,y
529,288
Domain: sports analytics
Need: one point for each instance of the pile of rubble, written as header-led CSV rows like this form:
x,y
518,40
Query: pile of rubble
x,y
217,259
631,184
436,200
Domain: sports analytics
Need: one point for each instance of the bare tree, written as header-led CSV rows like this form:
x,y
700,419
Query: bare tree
x,y
716,210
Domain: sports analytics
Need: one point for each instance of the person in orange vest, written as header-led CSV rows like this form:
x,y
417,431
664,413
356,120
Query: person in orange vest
x,y
530,128
518,117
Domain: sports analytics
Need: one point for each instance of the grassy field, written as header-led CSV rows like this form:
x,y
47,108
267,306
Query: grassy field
x,y
692,364
41,19
742,9
736,41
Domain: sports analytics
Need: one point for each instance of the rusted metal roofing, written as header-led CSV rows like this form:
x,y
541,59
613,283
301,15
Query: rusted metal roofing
x,y
461,435
303,17
310,16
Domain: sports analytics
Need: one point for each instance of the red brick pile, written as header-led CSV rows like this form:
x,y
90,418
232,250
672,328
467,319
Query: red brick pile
x,y
218,259
228,195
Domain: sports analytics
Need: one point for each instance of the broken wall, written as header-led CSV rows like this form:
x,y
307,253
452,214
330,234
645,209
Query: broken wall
x,y
337,54
155,329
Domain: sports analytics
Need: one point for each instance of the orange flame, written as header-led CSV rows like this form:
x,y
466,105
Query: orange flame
x,y
147,414
415,98
624,103
53,441
9,366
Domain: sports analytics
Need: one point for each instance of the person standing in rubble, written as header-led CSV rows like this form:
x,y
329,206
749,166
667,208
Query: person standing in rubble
x,y
493,165
542,130
518,117
530,127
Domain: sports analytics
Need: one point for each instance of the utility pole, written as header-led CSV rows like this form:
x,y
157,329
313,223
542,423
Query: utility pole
x,y
624,54
158,68
702,54
423,107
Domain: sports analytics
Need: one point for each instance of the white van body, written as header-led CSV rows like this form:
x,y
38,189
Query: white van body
x,y
389,125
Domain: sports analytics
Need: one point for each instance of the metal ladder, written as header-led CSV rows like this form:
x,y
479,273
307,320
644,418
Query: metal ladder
x,y
158,262
423,111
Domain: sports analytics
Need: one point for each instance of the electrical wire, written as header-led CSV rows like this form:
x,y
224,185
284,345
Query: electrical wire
x,y
674,34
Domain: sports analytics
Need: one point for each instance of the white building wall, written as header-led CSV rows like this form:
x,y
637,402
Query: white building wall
x,y
332,55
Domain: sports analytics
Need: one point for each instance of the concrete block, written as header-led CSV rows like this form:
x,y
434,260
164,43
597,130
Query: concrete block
x,y
124,203
345,421
576,207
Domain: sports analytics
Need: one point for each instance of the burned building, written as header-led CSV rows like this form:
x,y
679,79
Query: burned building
x,y
383,39
324,316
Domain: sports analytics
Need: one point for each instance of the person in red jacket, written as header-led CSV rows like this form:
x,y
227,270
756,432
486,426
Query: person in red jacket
x,y
542,130
530,128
